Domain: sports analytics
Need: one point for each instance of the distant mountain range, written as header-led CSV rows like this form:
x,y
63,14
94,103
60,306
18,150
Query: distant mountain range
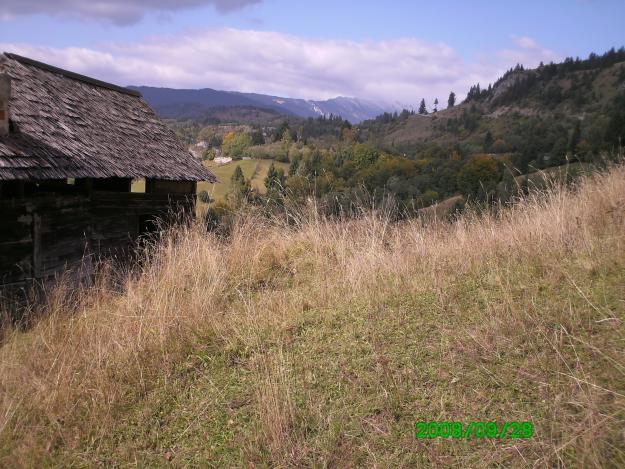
x,y
187,103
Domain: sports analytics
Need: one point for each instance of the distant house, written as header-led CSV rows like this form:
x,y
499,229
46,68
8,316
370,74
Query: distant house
x,y
70,147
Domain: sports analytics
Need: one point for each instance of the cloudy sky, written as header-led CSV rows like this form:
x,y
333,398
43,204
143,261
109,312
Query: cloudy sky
x,y
387,51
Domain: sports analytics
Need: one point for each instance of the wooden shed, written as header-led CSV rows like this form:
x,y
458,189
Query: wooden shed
x,y
70,147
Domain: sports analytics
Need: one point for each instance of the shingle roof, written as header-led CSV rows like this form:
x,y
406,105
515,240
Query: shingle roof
x,y
69,125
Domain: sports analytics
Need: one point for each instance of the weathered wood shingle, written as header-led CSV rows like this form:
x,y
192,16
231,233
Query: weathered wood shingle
x,y
66,125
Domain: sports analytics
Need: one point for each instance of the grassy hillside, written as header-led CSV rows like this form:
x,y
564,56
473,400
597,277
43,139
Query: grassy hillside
x,y
525,111
224,172
324,342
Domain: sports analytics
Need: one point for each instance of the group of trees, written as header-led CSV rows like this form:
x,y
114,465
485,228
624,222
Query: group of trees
x,y
451,102
312,128
340,176
519,82
235,143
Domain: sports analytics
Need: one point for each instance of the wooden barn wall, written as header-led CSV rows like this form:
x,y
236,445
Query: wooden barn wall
x,y
16,242
44,236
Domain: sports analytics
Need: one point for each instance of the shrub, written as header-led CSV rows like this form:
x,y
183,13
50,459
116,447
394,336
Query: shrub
x,y
204,197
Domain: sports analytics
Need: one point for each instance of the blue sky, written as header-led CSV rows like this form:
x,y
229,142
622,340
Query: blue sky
x,y
385,51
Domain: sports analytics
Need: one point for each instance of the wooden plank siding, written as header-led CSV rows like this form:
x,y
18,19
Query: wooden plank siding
x,y
47,234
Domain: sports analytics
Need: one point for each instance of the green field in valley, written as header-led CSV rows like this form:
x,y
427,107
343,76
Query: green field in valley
x,y
255,170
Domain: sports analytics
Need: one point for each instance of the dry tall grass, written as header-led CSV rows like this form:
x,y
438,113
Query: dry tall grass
x,y
323,343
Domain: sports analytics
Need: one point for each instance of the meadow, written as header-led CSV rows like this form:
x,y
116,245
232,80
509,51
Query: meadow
x,y
322,343
254,169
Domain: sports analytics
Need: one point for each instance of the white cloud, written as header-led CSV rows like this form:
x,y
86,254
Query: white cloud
x,y
403,69
120,12
527,52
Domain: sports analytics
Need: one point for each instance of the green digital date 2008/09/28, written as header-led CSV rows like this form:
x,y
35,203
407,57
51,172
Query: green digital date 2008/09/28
x,y
474,430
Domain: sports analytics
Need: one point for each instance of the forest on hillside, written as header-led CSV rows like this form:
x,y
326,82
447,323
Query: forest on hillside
x,y
570,113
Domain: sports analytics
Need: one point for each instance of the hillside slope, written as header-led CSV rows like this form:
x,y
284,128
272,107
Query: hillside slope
x,y
573,107
322,343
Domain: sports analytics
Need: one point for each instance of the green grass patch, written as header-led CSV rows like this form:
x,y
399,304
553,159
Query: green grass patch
x,y
254,170
224,172
500,344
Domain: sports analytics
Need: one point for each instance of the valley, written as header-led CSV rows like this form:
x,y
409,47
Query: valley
x,y
568,114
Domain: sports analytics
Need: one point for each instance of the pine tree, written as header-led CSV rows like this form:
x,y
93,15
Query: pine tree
x,y
435,105
279,132
422,109
237,176
257,137
451,102
293,167
270,179
575,137
488,140
274,182
240,188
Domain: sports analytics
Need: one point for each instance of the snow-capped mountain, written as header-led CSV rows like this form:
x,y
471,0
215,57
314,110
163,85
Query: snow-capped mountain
x,y
175,103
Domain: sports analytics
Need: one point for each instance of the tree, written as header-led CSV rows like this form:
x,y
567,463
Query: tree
x,y
216,141
286,137
204,197
583,149
615,128
298,187
257,137
206,135
274,181
364,155
279,132
451,102
209,154
293,167
435,105
237,177
499,146
488,140
558,150
286,140
346,131
275,184
235,143
422,109
508,187
240,187
576,134
479,177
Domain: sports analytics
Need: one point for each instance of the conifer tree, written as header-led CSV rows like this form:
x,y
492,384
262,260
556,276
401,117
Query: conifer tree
x,y
422,109
293,167
575,137
240,188
275,183
237,176
435,105
274,179
451,102
488,140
